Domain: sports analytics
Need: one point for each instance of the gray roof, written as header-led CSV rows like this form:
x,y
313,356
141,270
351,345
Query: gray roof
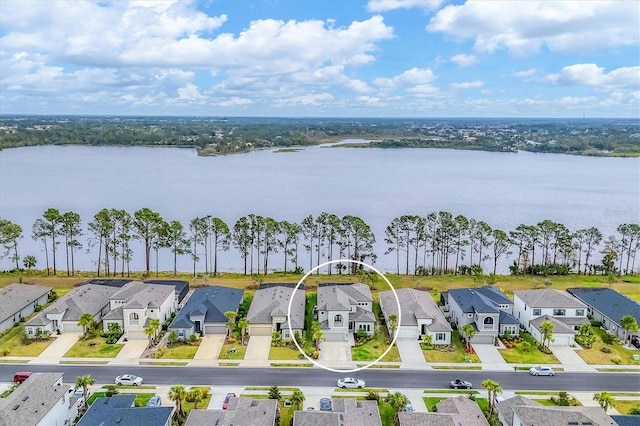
x,y
505,408
241,411
15,297
611,303
345,411
181,287
115,314
507,318
88,298
112,282
138,295
559,327
118,410
548,298
416,304
339,296
628,420
482,299
453,411
274,301
425,419
533,413
362,315
34,399
212,302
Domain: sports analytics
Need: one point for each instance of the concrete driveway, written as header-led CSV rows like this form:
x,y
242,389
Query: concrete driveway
x,y
210,346
411,354
218,394
335,354
58,348
491,358
132,351
570,360
257,354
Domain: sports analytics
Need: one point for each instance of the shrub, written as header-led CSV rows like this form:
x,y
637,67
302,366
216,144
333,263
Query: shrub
x,y
111,390
544,350
194,337
608,339
606,350
373,396
616,360
6,351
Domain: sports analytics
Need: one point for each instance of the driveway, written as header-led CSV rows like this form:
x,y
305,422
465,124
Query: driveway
x,y
131,352
257,354
570,360
411,354
491,358
210,346
335,354
57,349
218,394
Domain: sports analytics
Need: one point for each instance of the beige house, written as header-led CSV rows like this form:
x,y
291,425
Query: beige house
x,y
268,311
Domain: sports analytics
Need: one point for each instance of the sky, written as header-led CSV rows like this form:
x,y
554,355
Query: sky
x,y
313,58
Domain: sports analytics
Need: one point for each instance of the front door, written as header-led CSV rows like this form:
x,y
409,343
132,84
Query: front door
x,y
198,327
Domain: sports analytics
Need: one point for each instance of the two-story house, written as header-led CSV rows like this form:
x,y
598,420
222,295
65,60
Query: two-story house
x,y
564,311
268,311
343,309
486,308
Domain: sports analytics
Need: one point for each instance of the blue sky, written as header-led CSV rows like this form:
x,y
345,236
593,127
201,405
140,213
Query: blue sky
x,y
335,58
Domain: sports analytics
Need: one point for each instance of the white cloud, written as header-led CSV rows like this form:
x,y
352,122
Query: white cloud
x,y
370,100
234,101
386,5
467,85
594,75
310,99
524,27
358,86
411,77
526,75
464,60
190,93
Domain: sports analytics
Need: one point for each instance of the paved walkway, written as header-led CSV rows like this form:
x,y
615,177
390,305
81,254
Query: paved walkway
x,y
411,354
491,358
130,353
257,354
57,349
570,360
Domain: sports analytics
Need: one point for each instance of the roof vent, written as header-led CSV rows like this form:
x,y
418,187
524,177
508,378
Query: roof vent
x,y
15,407
25,398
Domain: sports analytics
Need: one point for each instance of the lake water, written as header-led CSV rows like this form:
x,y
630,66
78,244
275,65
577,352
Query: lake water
x,y
503,189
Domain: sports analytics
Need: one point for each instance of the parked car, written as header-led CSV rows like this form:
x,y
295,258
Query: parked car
x,y
155,401
460,384
635,341
325,404
409,407
21,376
541,370
350,382
128,379
227,398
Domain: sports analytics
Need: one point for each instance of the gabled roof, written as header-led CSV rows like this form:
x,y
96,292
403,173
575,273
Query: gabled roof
x,y
611,303
181,287
362,315
339,297
454,411
15,297
506,407
212,301
561,416
115,314
484,300
345,411
628,420
548,298
118,410
241,411
559,327
109,282
507,318
416,304
273,301
140,295
33,399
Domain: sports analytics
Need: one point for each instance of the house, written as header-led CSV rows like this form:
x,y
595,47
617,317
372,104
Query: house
x,y
268,311
344,411
486,308
136,304
41,400
519,410
120,410
565,312
181,288
455,411
204,311
420,315
64,314
344,309
608,306
241,411
18,301
628,420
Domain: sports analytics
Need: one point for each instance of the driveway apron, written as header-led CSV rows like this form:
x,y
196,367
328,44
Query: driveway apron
x,y
335,354
570,360
491,358
411,354
257,354
131,352
57,349
210,346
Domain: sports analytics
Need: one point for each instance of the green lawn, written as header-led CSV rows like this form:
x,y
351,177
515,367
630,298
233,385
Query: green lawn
x,y
596,356
373,349
188,406
517,355
283,353
180,351
458,355
225,352
623,406
12,341
142,399
387,413
95,396
93,348
431,402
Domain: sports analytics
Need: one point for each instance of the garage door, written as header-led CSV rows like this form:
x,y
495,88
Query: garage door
x,y
334,337
137,335
215,329
408,332
482,339
260,330
561,340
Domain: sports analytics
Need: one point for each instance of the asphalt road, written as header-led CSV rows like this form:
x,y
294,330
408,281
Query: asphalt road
x,y
392,378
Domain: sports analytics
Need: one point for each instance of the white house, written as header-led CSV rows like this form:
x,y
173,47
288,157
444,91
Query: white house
x,y
18,301
565,312
343,309
420,315
268,311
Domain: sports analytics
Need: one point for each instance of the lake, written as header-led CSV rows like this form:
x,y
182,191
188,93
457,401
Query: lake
x,y
503,189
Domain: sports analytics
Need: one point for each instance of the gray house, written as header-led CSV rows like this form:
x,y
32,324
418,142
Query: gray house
x,y
344,309
420,315
241,411
19,301
486,308
204,311
608,306
119,410
268,311
344,411
454,411
520,410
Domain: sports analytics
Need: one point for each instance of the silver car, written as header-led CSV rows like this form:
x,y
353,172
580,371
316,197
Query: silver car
x,y
541,370
350,382
128,379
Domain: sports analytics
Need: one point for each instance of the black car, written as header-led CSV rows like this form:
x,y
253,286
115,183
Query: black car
x,y
635,341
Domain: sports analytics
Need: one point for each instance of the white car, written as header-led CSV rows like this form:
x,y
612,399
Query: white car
x,y
541,370
128,379
350,382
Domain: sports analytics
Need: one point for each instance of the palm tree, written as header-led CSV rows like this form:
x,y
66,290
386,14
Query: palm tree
x,y
546,328
393,320
195,396
231,323
154,326
178,394
604,400
398,401
84,382
243,323
493,390
469,331
318,334
297,397
630,325
86,321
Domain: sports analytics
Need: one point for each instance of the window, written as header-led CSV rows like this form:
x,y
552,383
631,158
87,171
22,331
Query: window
x,y
579,312
337,318
133,318
488,321
181,333
558,312
469,315
537,312
441,337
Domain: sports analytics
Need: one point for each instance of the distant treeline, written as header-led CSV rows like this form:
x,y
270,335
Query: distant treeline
x,y
438,243
215,136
